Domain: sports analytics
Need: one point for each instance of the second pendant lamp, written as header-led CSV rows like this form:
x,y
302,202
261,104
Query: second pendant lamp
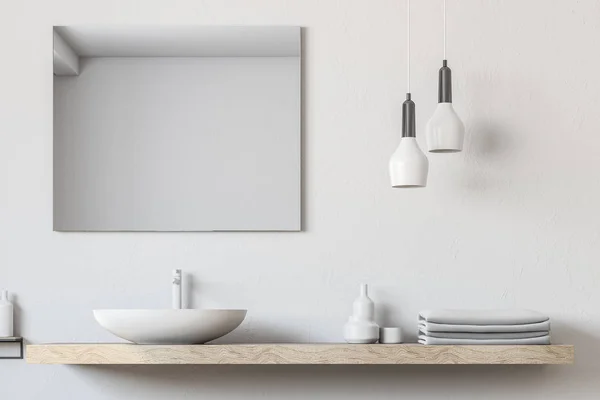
x,y
408,165
445,130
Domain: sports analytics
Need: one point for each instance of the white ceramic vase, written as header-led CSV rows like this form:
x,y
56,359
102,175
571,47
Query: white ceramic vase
x,y
361,326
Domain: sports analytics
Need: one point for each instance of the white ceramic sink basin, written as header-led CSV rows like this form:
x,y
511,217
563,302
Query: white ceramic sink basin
x,y
186,326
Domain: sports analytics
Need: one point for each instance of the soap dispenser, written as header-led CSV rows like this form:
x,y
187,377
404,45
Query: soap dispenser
x,y
361,326
6,315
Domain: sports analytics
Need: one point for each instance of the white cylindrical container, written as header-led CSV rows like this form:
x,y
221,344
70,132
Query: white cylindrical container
x,y
6,316
390,335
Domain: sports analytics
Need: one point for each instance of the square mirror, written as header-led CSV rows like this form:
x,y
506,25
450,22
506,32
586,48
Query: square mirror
x,y
177,128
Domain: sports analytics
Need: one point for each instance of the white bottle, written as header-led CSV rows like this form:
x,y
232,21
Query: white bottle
x,y
361,326
6,316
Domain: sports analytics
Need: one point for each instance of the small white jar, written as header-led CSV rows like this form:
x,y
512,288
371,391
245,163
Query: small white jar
x,y
390,335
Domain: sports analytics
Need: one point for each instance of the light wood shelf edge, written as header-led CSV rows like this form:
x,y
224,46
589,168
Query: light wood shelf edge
x,y
329,353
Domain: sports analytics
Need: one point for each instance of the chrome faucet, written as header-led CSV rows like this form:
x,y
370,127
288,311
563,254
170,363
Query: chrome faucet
x,y
176,289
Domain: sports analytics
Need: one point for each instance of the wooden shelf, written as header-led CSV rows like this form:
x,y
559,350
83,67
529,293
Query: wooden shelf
x,y
297,354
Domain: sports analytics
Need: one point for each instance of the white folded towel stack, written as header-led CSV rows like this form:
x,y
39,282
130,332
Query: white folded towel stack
x,y
440,327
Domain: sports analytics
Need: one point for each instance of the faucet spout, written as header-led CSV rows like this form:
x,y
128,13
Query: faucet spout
x,y
176,289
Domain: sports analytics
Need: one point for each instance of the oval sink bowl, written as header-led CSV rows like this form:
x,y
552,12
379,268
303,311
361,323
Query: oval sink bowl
x,y
187,326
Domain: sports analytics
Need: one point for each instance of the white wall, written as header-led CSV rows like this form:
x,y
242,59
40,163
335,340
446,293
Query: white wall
x,y
512,221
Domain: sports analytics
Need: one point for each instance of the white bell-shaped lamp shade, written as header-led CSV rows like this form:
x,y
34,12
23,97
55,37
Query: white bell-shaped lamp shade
x,y
445,130
408,165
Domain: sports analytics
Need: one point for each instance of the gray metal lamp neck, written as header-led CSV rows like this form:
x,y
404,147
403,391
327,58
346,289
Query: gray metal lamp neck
x,y
408,117
445,84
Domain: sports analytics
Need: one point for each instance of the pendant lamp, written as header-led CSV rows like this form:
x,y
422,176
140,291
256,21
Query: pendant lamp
x,y
445,130
408,165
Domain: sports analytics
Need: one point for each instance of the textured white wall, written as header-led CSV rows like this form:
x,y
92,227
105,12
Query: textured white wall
x,y
512,221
